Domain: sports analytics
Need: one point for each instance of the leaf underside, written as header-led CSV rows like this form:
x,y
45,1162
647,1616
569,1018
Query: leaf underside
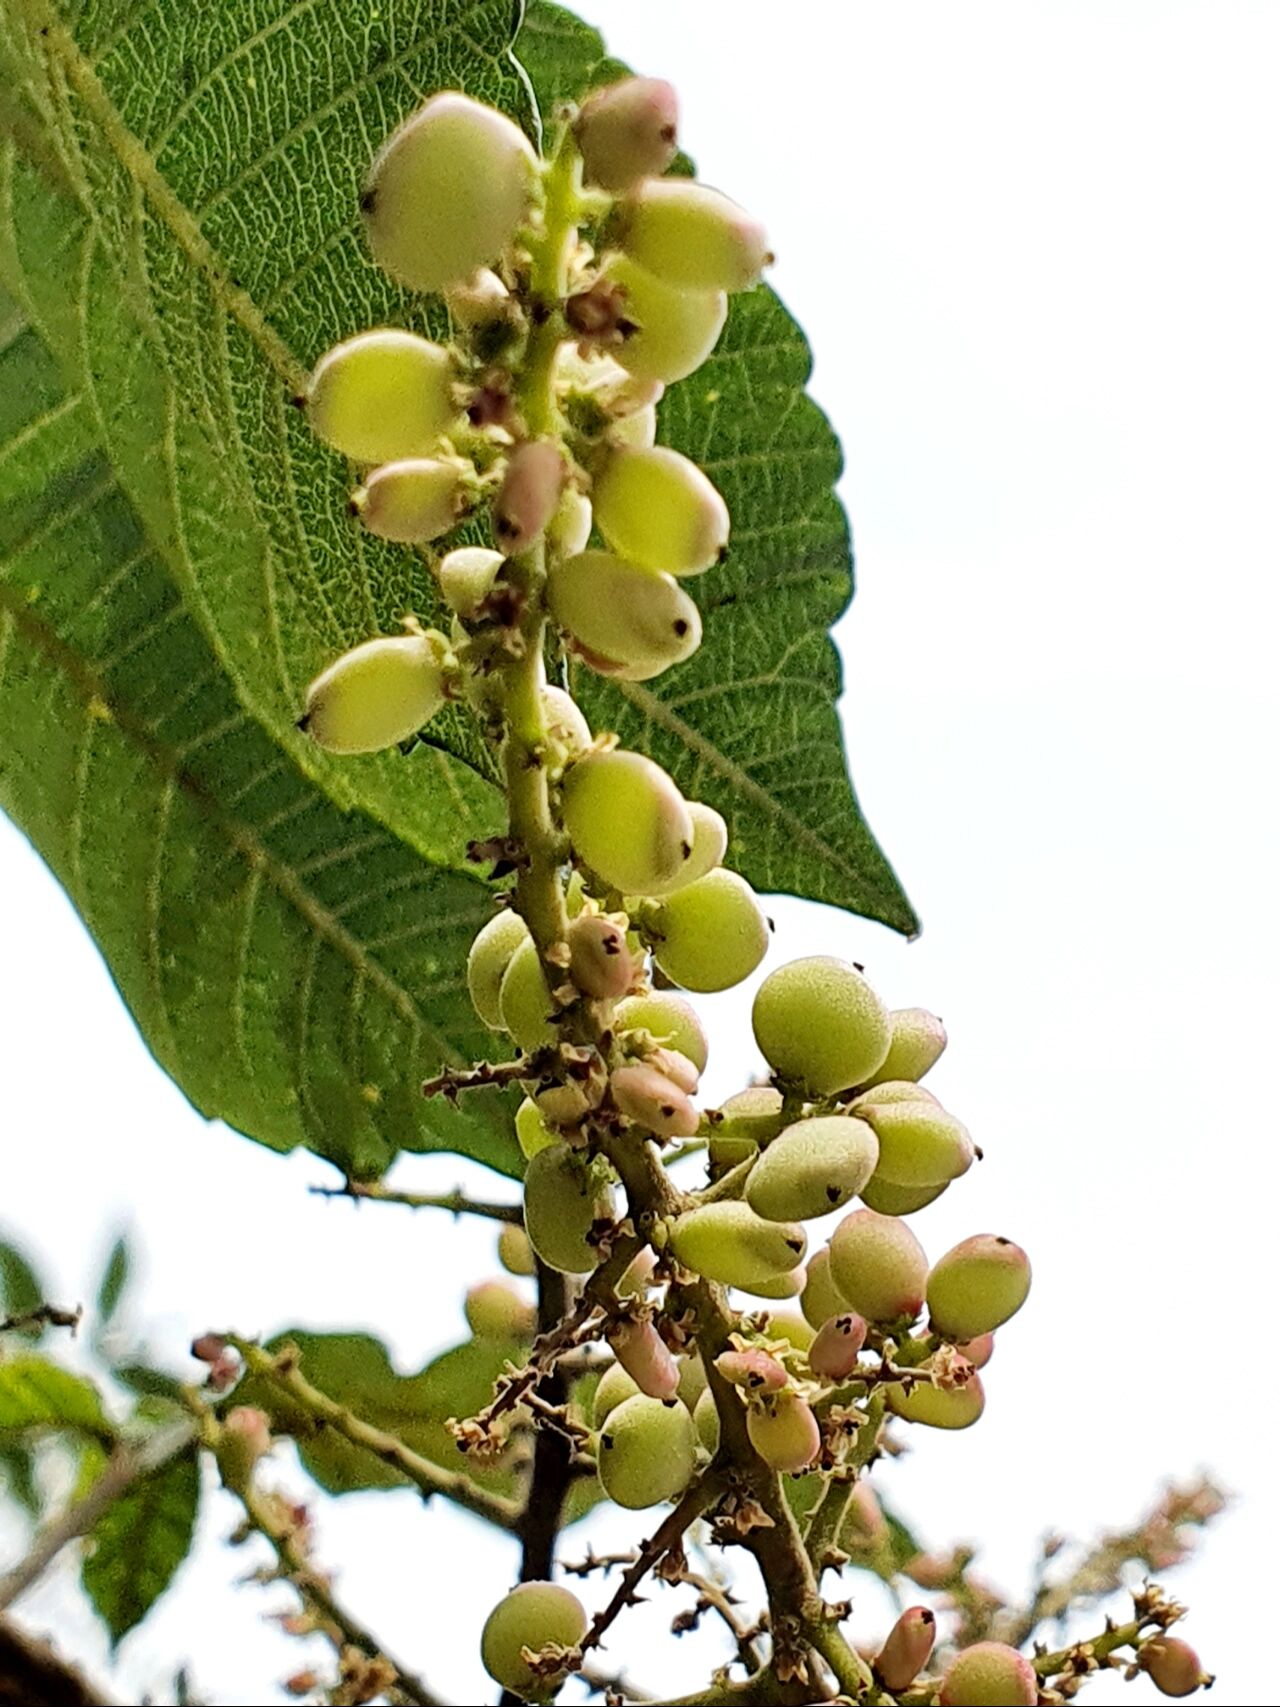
x,y
179,241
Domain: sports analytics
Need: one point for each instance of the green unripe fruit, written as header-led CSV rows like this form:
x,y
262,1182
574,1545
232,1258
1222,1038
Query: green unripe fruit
x,y
920,1143
785,1432
626,820
534,1616
412,501
675,330
466,577
648,1452
627,131
382,395
525,999
751,1118
976,1286
918,1039
753,1370
833,1356
487,963
812,1167
1172,1665
626,621
644,1095
376,695
658,509
528,496
478,301
600,962
532,1131
515,1253
693,236
245,1437
570,527
906,1650
729,1242
565,1103
710,840
863,1528
447,192
711,934
614,1386
939,1407
636,431
822,1297
794,1329
565,1198
568,732
894,1091
706,1423
693,1380
669,1021
496,1311
639,1349
819,1022
777,1286
989,1674
879,1265
888,1198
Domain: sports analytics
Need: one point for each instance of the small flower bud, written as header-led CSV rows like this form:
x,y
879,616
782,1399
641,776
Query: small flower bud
x,y
1172,1665
833,1356
676,1067
906,1649
627,131
208,1348
753,1369
245,1438
639,1349
466,577
528,495
570,528
649,1098
600,962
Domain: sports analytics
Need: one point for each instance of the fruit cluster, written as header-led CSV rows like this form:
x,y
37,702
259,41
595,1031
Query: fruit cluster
x,y
578,288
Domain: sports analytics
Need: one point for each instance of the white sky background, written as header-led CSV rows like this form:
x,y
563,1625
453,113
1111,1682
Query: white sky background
x,y
1035,250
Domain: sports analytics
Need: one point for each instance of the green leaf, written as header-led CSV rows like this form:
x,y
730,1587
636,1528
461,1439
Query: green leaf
x,y
18,1478
298,970
35,1393
192,247
20,1288
355,1370
749,724
115,1277
139,1542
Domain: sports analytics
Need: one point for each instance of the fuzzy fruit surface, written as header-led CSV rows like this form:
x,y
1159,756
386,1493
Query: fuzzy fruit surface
x,y
820,1023
496,1311
710,843
627,621
784,1431
674,330
833,1356
627,131
907,1648
626,819
410,502
711,934
977,1285
921,1145
813,1167
917,1040
989,1674
729,1242
525,999
1172,1665
668,1020
447,192
647,1451
376,695
564,1197
821,1298
533,1616
888,1198
879,1265
466,577
382,396
658,509
939,1407
692,236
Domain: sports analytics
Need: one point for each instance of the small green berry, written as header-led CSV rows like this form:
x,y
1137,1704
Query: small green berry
x,y
647,1452
818,1022
535,1615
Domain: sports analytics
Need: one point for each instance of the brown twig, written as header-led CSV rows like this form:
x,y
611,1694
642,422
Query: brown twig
x,y
43,1315
454,1080
456,1202
693,1502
